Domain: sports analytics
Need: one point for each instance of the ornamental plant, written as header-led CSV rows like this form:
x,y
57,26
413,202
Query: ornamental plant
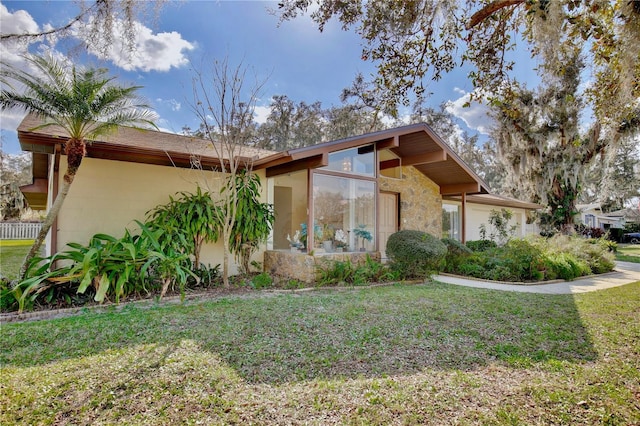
x,y
415,253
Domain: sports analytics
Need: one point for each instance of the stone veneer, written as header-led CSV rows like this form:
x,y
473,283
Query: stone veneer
x,y
420,201
303,267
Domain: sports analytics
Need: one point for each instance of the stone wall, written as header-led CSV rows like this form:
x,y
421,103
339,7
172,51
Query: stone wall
x,y
420,201
302,267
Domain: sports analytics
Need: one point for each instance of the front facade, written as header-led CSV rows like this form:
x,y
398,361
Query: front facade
x,y
332,200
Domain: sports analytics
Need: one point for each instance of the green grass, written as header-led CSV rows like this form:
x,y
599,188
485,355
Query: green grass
x,y
12,253
422,354
628,253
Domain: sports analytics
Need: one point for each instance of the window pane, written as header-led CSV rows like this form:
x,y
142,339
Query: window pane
x,y
290,204
356,160
344,213
451,221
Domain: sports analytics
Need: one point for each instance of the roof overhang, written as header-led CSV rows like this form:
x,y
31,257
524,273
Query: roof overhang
x,y
496,200
416,145
138,146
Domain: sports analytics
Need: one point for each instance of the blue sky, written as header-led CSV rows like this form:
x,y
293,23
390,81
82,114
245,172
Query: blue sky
x,y
294,58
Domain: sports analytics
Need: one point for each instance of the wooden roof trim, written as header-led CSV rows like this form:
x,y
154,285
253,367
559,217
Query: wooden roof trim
x,y
319,160
426,158
496,200
461,188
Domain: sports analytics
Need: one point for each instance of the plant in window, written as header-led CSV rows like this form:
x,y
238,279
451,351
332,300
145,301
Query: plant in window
x,y
295,241
340,238
317,233
362,233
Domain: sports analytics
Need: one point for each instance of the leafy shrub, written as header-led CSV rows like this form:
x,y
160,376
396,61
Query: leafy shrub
x,y
523,259
205,276
481,245
539,259
8,300
415,253
335,272
261,281
111,267
456,253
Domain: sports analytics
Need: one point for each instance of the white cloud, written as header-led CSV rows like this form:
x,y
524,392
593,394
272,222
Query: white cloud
x,y
476,115
171,103
15,23
261,113
153,52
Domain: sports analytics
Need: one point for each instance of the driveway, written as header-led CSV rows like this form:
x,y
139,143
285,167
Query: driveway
x,y
624,273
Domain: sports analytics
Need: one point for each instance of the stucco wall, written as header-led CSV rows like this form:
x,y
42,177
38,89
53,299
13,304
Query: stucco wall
x,y
420,201
107,196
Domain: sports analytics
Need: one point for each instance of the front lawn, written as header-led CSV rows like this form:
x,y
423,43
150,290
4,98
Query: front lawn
x,y
422,354
628,253
12,253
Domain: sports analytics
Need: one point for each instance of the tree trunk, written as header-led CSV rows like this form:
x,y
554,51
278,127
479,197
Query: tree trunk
x,y
46,226
225,262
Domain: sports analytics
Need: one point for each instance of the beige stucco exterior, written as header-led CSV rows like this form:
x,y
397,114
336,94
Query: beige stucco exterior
x,y
107,196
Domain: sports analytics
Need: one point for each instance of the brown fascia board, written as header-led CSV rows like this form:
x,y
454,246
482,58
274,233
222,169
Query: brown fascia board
x,y
497,200
39,143
352,142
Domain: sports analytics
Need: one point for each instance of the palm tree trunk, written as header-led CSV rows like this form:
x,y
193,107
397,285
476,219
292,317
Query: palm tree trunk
x,y
46,226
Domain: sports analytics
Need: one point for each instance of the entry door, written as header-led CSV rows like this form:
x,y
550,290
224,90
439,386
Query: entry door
x,y
388,219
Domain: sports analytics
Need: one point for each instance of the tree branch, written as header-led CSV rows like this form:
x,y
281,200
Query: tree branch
x,y
489,10
54,30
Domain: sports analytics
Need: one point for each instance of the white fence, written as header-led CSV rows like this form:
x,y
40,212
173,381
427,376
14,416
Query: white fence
x,y
19,230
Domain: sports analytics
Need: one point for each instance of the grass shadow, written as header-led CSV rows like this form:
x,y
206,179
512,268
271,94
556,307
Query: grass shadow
x,y
324,335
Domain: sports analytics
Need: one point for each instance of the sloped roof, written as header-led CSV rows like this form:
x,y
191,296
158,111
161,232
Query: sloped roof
x,y
133,145
416,145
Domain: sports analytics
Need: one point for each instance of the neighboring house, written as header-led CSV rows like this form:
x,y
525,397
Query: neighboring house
x,y
376,183
624,217
591,215
477,212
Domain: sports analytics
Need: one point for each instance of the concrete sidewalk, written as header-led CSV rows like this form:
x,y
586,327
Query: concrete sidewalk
x,y
624,273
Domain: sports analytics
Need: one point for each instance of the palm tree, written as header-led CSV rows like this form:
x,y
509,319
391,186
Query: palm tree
x,y
83,102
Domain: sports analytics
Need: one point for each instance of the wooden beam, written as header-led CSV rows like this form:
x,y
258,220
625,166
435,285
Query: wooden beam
x,y
314,162
460,188
429,157
389,164
392,142
463,221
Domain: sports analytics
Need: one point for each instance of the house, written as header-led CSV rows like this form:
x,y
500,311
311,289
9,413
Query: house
x,y
365,186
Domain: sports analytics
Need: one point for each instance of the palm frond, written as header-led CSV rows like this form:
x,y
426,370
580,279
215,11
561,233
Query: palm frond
x,y
86,103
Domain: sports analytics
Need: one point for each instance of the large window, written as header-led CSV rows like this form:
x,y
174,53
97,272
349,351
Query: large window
x,y
359,161
344,213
